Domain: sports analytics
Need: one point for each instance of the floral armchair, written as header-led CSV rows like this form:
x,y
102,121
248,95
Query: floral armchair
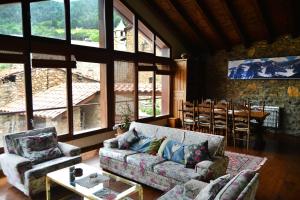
x,y
28,175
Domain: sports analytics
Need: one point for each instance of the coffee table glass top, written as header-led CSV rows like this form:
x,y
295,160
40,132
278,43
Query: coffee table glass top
x,y
113,187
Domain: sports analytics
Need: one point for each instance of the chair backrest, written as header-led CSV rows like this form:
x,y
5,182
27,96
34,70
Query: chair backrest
x,y
241,116
220,113
204,111
188,112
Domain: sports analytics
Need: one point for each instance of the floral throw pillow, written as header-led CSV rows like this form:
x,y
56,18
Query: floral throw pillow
x,y
127,139
196,153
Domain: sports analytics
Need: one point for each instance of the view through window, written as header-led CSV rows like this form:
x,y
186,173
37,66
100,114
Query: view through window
x,y
11,19
145,87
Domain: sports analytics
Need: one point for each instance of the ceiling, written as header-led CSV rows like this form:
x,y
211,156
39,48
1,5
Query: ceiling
x,y
222,24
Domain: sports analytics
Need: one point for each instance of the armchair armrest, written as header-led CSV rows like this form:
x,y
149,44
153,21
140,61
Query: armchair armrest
x,y
193,187
68,149
14,166
111,143
212,169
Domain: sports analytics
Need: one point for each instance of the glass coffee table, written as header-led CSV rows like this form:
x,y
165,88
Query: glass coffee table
x,y
112,187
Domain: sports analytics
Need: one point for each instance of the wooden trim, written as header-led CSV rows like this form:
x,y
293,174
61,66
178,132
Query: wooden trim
x,y
9,1
154,93
136,91
12,58
43,63
146,68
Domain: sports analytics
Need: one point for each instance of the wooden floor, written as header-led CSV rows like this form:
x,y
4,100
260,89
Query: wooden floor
x,y
279,178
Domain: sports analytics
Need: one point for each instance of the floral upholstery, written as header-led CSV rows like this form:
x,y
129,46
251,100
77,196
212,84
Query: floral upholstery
x,y
177,193
212,169
144,161
193,187
118,154
176,171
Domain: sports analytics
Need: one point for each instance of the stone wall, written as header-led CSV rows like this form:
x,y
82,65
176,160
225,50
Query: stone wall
x,y
282,93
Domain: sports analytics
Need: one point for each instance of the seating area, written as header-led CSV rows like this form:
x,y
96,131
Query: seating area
x,y
139,99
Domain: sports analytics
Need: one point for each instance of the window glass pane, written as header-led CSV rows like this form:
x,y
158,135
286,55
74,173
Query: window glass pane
x,y
145,86
89,97
11,19
123,28
48,19
163,67
146,38
162,95
12,99
161,48
87,22
124,90
49,98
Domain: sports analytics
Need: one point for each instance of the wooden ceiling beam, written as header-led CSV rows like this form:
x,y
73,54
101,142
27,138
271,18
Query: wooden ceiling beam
x,y
170,24
189,20
295,25
236,21
213,23
262,11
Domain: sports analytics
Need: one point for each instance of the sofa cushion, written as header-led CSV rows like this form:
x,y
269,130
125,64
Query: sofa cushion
x,y
143,160
210,191
196,153
236,185
154,145
39,148
174,151
176,193
175,171
193,187
127,139
116,154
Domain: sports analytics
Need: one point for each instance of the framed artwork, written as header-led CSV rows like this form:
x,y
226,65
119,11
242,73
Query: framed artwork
x,y
265,68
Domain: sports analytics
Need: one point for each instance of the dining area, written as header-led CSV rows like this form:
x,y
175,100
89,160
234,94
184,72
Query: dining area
x,y
240,122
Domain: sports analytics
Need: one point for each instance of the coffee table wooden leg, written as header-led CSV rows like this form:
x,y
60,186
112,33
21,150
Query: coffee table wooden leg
x,y
141,195
48,187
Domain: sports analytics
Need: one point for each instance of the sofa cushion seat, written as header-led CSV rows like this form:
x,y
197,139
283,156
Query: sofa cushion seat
x,y
176,193
144,161
117,154
42,169
176,171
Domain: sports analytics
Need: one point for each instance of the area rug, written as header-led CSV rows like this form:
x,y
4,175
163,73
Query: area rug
x,y
239,162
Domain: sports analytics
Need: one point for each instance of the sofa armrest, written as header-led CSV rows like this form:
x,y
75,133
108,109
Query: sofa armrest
x,y
14,166
111,143
212,169
193,187
68,149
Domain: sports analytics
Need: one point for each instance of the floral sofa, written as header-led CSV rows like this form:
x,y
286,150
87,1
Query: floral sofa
x,y
22,173
243,186
155,171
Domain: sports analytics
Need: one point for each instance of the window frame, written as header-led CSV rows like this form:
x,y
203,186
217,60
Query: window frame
x,y
34,44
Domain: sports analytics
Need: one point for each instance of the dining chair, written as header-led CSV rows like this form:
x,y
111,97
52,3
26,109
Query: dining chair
x,y
241,123
188,115
204,116
220,119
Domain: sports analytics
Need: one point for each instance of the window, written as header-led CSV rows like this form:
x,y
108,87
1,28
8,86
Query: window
x,y
162,95
124,89
48,19
11,19
161,48
89,97
123,28
145,38
145,95
87,23
12,99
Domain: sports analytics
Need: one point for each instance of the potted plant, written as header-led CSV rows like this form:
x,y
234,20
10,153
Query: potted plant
x,y
126,114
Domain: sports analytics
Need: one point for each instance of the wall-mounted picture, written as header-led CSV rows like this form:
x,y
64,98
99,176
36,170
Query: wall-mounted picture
x,y
265,68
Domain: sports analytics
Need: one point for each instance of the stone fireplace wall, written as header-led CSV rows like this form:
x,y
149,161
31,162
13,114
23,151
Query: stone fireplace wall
x,y
282,93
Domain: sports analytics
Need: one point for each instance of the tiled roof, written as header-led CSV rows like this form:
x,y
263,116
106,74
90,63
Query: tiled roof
x,y
56,97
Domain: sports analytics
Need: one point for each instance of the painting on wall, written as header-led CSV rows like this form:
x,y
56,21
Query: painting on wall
x,y
265,68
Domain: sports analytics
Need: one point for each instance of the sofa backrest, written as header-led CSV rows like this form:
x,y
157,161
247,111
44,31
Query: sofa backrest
x,y
10,139
215,142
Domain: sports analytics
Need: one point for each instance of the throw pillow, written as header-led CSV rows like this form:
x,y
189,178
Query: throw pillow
x,y
174,151
154,146
210,191
237,185
127,139
162,147
142,145
196,153
39,148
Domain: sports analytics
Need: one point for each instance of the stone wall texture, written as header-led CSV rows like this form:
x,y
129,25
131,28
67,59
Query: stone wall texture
x,y
282,93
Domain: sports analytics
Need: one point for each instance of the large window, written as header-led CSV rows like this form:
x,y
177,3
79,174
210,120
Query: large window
x,y
124,90
89,97
11,19
162,95
146,39
161,48
87,22
123,27
145,94
12,99
48,19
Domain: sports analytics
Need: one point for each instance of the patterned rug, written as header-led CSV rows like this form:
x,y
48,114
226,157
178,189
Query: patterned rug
x,y
239,162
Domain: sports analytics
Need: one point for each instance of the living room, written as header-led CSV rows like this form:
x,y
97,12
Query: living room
x,y
173,99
